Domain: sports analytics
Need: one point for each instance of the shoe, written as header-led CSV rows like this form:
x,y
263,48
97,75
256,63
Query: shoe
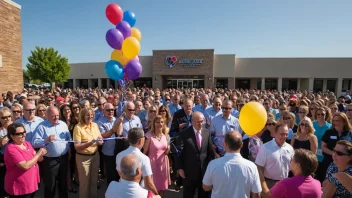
x,y
73,190
177,188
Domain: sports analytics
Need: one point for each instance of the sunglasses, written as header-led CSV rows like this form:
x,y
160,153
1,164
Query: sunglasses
x,y
160,111
287,118
131,110
109,110
41,110
226,108
292,104
270,124
167,99
100,104
152,111
17,111
339,153
20,134
306,125
320,114
301,112
74,108
6,117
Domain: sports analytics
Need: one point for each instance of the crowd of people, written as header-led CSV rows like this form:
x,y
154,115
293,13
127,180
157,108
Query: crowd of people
x,y
143,140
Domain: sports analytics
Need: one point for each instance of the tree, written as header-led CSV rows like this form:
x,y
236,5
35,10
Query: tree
x,y
47,65
26,77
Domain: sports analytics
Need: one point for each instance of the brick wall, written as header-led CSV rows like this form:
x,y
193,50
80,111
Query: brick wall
x,y
11,74
160,68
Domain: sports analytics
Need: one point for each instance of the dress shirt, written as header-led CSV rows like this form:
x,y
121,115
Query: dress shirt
x,y
125,189
275,160
56,148
87,133
235,113
201,109
105,125
134,122
232,176
200,137
211,113
30,126
98,114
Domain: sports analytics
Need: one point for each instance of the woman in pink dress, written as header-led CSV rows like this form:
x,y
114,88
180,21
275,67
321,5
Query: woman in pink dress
x,y
22,175
157,149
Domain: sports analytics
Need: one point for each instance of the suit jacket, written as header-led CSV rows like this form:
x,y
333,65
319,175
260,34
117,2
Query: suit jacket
x,y
192,160
178,118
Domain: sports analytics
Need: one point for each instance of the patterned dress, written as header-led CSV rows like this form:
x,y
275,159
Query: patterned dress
x,y
341,191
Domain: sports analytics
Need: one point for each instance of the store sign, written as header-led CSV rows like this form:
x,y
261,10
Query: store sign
x,y
172,60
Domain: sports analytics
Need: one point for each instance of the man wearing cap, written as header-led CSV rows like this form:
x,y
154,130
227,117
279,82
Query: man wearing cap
x,y
60,101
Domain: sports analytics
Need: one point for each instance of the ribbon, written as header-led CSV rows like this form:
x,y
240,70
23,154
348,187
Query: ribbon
x,y
97,140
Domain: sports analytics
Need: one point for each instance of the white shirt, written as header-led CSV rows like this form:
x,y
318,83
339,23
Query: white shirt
x,y
275,160
145,161
125,189
232,176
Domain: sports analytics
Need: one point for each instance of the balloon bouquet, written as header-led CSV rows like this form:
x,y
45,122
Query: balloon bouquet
x,y
124,38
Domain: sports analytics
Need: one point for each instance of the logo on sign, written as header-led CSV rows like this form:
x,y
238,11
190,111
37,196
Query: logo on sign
x,y
170,61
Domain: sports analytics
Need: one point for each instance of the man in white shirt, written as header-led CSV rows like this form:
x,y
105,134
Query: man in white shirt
x,y
232,175
128,187
136,139
273,159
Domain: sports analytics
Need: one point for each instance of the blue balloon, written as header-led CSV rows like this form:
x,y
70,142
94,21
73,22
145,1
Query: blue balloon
x,y
129,17
114,70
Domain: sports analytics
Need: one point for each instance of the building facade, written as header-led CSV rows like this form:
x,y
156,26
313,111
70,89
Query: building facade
x,y
11,73
202,68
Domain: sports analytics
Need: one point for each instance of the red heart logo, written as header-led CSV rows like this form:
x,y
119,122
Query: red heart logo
x,y
174,58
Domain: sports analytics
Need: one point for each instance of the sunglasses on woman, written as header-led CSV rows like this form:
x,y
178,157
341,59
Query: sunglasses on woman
x,y
305,125
339,153
20,134
270,124
5,117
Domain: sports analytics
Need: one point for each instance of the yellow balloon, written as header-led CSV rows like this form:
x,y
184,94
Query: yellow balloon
x,y
253,118
118,56
136,34
130,47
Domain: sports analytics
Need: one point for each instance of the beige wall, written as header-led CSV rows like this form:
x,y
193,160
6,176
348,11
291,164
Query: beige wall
x,y
11,71
224,65
146,62
294,67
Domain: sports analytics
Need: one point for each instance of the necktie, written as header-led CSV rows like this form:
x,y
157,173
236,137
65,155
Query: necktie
x,y
199,139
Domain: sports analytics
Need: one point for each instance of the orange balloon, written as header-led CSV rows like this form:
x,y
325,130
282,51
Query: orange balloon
x,y
118,56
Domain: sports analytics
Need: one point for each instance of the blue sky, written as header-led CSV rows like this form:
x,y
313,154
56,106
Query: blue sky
x,y
250,28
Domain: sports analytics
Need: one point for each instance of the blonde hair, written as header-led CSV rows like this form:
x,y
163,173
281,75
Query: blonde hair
x,y
305,108
83,113
346,123
39,106
165,130
293,119
311,128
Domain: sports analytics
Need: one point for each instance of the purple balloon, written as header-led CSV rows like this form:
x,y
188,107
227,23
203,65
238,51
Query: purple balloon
x,y
114,38
133,69
125,28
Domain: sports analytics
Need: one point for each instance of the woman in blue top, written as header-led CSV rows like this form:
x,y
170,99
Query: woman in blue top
x,y
320,126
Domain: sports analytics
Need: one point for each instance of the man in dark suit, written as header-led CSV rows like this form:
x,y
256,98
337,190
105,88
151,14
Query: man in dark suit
x,y
196,151
182,118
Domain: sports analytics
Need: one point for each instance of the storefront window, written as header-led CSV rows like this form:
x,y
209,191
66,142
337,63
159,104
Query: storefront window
x,y
318,85
221,83
185,83
288,84
271,84
141,82
331,85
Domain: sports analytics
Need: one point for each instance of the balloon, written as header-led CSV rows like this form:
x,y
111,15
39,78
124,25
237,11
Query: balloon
x,y
129,17
118,56
133,69
114,13
114,38
253,118
114,70
124,28
122,83
130,47
136,33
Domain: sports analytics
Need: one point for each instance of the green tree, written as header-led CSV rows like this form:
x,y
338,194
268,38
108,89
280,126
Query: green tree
x,y
47,65
26,77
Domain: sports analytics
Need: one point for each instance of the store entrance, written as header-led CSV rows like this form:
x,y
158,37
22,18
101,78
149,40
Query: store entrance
x,y
185,83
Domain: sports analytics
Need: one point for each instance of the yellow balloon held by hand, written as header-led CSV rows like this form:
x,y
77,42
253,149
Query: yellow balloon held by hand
x,y
119,57
253,118
130,47
136,34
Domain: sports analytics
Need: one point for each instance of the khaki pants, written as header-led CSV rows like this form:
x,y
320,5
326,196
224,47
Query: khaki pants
x,y
88,169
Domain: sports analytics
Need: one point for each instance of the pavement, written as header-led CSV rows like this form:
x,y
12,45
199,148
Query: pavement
x,y
170,193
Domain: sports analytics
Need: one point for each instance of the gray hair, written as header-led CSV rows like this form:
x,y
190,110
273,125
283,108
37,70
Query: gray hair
x,y
134,135
129,166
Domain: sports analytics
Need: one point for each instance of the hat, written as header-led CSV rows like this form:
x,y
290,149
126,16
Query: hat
x,y
58,99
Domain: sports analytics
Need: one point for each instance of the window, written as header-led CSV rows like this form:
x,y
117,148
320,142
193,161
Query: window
x,y
318,85
221,83
288,84
140,82
331,85
243,84
270,83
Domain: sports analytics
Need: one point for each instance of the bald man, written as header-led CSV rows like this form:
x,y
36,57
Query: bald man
x,y
29,120
196,150
51,134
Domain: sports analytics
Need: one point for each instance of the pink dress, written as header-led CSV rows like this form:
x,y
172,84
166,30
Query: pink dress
x,y
159,162
18,181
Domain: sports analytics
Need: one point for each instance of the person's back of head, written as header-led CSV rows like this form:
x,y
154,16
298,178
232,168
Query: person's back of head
x,y
136,137
233,141
131,168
